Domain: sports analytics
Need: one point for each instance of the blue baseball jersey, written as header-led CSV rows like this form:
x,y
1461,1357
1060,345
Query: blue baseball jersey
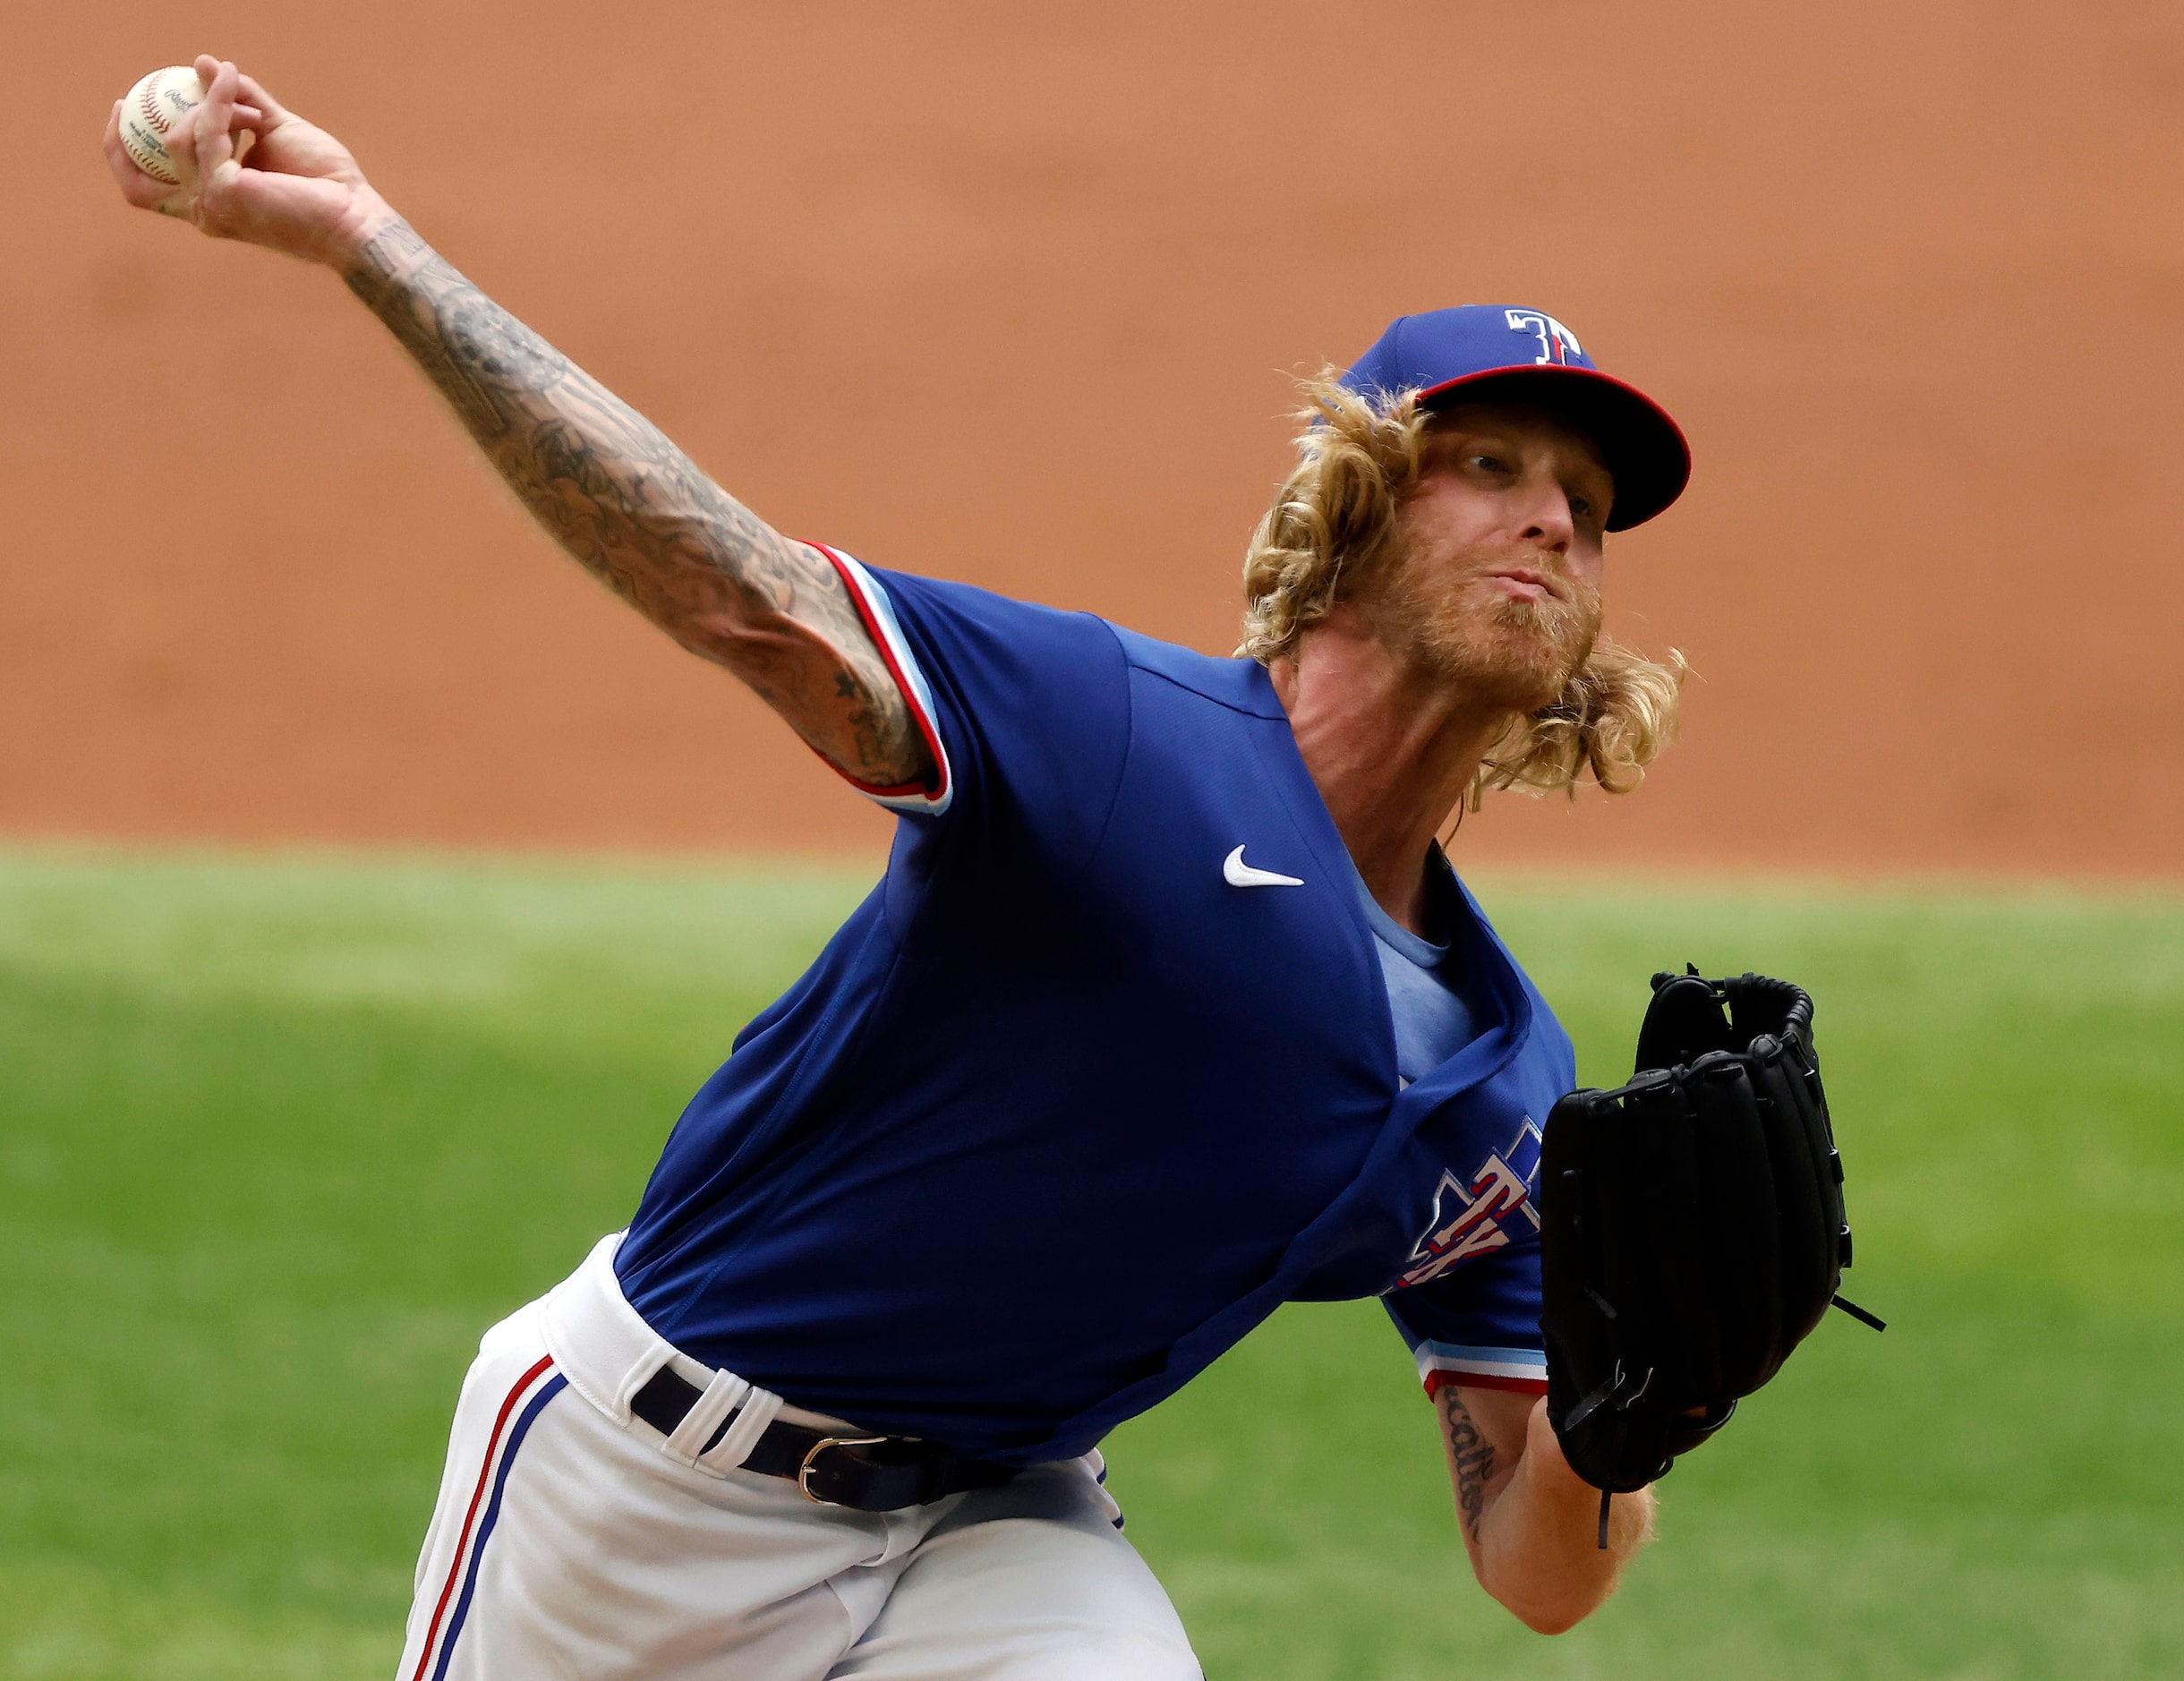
x,y
1101,1072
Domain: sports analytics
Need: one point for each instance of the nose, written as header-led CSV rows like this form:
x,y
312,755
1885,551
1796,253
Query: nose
x,y
1546,514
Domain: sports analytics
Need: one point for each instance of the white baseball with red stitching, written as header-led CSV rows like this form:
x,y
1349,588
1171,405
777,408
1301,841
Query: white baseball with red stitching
x,y
154,106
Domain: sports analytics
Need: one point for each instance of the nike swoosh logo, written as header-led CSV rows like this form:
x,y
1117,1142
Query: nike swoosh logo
x,y
1238,873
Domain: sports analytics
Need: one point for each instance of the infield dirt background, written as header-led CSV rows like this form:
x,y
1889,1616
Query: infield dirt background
x,y
1012,293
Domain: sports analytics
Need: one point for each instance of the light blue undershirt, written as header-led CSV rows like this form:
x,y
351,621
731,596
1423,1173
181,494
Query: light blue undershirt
x,y
1432,1021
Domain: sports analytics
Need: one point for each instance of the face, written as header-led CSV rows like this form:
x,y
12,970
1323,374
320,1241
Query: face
x,y
1495,578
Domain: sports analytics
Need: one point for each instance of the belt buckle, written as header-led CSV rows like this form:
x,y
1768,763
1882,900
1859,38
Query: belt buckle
x,y
804,1471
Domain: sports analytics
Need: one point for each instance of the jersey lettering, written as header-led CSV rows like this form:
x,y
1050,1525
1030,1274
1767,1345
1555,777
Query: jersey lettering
x,y
1502,1184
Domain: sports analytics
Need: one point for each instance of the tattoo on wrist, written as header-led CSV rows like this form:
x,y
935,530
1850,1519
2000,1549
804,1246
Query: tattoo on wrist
x,y
639,514
1473,1457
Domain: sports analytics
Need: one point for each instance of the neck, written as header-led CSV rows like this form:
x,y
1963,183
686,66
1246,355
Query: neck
x,y
1390,748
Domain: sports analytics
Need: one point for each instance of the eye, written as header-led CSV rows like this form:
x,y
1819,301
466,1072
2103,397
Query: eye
x,y
1489,464
1581,505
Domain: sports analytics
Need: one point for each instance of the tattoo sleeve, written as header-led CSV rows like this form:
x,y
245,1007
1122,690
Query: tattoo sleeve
x,y
637,514
1470,1459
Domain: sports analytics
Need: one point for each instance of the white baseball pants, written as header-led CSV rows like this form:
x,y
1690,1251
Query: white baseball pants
x,y
572,1539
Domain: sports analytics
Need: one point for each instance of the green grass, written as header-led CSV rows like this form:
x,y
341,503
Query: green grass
x,y
278,1139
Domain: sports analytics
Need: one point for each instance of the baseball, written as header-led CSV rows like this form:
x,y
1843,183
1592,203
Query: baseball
x,y
150,114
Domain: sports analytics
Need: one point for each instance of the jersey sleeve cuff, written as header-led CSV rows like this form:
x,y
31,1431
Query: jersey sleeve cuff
x,y
1440,1364
878,614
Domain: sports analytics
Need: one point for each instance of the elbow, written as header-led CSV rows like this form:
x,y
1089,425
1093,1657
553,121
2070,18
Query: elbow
x,y
1550,1613
1558,1620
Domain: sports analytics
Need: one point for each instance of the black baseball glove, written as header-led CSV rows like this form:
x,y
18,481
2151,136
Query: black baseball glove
x,y
1692,1228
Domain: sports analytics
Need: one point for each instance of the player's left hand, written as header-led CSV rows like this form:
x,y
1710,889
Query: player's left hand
x,y
1691,1229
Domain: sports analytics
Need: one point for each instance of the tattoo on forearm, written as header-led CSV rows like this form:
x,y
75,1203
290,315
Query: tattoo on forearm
x,y
637,514
1470,1456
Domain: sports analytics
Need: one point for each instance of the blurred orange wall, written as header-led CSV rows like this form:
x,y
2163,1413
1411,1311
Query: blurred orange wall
x,y
1012,294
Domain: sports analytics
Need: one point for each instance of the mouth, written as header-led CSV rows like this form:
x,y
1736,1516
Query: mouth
x,y
1524,584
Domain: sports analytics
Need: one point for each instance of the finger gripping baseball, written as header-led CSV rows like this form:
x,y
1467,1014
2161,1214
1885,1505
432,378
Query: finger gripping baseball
x,y
1691,1229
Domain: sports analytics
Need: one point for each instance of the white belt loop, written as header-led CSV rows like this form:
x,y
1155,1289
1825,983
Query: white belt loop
x,y
733,1449
608,1352
718,1399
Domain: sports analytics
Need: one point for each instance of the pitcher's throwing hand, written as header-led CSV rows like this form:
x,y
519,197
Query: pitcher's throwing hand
x,y
248,169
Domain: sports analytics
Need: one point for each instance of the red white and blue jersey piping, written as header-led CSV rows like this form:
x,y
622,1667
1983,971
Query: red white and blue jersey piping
x,y
879,616
1442,1363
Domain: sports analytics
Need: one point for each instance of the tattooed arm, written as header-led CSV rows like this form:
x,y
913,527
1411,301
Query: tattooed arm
x,y
633,509
1529,1523
637,514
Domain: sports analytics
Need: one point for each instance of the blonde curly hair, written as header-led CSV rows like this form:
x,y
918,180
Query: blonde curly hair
x,y
1331,526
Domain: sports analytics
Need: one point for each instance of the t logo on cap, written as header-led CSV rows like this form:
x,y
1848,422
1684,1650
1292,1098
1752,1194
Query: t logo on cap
x,y
1557,343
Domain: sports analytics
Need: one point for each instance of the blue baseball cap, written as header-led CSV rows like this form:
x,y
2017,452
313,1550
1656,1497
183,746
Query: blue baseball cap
x,y
1496,351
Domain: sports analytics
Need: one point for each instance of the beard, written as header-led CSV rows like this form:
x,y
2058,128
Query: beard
x,y
1513,654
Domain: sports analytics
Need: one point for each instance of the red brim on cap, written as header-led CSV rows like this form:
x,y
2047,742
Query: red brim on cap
x,y
1641,448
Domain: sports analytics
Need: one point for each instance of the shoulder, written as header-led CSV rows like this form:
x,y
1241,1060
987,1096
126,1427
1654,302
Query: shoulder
x,y
963,616
1031,708
949,614
1240,685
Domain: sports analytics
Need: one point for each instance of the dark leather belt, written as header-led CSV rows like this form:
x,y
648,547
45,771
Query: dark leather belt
x,y
871,1474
